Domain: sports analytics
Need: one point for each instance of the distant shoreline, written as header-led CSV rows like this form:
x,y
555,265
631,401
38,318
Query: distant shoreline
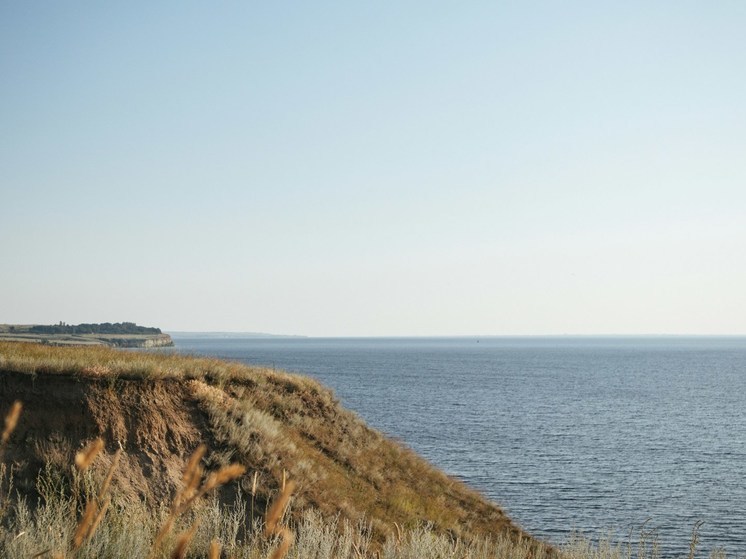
x,y
123,340
236,335
94,335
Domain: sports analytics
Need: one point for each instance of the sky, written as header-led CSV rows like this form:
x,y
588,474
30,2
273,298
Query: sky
x,y
375,168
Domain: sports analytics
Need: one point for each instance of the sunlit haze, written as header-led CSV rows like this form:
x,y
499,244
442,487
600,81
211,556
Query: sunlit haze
x,y
402,168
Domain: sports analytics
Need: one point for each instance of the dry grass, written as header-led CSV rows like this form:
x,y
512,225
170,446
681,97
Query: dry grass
x,y
11,421
128,532
272,526
111,363
189,496
207,528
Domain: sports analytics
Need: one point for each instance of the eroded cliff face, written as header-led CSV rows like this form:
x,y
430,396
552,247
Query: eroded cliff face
x,y
114,335
162,340
156,423
65,340
157,340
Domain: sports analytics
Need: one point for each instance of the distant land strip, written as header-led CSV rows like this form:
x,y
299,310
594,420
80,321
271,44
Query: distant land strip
x,y
117,334
237,335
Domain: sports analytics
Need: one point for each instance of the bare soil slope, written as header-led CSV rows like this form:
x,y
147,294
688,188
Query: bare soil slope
x,y
158,408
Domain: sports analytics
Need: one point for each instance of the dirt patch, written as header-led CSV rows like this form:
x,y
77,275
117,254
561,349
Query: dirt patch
x,y
156,423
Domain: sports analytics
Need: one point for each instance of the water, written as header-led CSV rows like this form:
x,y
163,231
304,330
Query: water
x,y
591,434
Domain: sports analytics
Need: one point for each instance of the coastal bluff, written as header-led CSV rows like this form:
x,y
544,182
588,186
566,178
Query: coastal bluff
x,y
152,410
119,334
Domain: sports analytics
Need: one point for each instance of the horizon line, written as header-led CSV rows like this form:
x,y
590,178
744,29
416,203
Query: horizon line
x,y
564,335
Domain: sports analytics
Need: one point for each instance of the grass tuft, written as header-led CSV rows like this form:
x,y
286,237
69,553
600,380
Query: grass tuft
x,y
11,421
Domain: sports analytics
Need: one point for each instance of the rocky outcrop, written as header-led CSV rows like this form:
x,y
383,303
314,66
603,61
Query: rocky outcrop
x,y
156,340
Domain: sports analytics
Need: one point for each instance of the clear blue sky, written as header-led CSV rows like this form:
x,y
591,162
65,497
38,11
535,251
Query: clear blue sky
x,y
375,168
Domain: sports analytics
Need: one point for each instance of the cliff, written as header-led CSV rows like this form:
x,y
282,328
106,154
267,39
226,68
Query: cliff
x,y
158,408
68,336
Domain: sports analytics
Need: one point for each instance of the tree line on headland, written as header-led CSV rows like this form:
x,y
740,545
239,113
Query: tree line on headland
x,y
102,328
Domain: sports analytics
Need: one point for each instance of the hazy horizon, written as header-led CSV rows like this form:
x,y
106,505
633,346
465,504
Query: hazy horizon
x,y
238,334
413,169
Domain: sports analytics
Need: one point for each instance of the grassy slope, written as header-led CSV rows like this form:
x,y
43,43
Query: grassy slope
x,y
272,423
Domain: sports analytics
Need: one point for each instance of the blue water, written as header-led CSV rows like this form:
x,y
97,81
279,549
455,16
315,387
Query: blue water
x,y
589,434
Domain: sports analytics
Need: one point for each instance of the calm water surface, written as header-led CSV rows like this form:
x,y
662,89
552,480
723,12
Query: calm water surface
x,y
591,434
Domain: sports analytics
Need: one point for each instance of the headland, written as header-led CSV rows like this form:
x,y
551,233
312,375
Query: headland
x,y
118,334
